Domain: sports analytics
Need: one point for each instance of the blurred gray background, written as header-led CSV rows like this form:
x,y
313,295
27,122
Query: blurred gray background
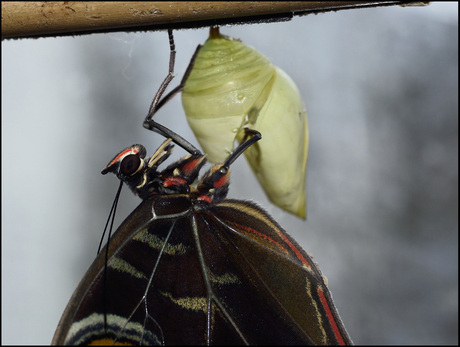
x,y
381,90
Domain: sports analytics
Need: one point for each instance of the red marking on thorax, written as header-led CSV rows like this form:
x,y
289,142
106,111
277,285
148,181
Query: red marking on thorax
x,y
174,181
191,166
221,181
205,198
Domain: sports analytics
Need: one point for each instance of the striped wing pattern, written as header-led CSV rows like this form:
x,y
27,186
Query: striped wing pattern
x,y
183,271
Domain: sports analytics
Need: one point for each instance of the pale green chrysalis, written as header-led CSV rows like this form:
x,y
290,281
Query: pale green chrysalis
x,y
232,87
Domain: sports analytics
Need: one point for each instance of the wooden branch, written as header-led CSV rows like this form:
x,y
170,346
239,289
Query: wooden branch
x,y
21,19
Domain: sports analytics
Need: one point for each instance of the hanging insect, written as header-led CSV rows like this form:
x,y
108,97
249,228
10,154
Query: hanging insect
x,y
232,87
189,266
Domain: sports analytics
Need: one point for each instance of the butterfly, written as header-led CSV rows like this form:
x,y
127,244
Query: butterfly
x,y
189,266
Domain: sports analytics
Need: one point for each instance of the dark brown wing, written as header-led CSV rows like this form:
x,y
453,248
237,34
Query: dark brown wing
x,y
287,279
201,274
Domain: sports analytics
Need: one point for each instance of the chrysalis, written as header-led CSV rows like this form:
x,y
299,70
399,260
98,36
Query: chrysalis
x,y
232,87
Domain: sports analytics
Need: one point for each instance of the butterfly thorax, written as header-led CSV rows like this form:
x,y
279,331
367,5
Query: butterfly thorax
x,y
143,178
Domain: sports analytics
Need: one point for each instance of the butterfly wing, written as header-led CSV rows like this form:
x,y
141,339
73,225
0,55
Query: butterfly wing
x,y
285,279
182,273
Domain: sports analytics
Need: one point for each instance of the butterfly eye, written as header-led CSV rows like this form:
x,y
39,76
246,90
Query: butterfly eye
x,y
130,164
